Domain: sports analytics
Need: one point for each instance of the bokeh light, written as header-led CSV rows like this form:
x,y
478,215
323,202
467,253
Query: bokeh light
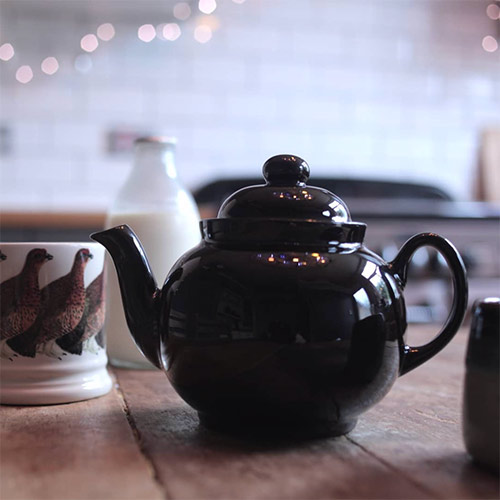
x,y
211,21
171,31
6,52
490,44
24,74
50,65
106,32
83,63
207,6
203,33
89,43
493,11
146,33
182,11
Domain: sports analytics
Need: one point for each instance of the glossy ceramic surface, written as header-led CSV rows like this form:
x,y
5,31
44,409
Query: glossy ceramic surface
x,y
276,323
51,323
282,337
481,398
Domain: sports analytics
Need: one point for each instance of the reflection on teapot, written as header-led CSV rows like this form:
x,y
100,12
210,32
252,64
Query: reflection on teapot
x,y
280,319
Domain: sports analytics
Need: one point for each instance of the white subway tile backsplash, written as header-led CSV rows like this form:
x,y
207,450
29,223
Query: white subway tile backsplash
x,y
71,138
410,146
35,136
90,198
210,140
275,76
286,140
315,114
244,40
9,168
479,87
251,107
385,89
25,197
342,149
109,102
192,104
226,71
45,171
381,114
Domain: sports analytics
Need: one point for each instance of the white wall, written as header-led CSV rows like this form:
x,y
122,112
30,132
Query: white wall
x,y
393,89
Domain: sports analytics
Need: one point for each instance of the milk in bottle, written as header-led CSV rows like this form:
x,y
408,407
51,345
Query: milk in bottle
x,y
165,218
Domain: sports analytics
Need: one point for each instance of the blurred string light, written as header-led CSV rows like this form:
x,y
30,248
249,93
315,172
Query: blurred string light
x,y
89,42
171,31
6,52
182,11
207,6
24,74
203,33
493,11
106,32
50,65
83,63
211,21
490,44
146,33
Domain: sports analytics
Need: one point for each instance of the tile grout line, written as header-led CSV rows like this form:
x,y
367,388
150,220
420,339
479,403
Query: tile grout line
x,y
140,443
387,464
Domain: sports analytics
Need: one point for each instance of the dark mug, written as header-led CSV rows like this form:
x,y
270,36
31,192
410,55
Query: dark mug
x,y
481,404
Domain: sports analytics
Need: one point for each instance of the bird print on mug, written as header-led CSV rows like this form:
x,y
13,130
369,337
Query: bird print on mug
x,y
62,308
90,326
20,296
2,256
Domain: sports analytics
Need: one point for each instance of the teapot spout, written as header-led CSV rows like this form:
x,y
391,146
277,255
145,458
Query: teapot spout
x,y
139,291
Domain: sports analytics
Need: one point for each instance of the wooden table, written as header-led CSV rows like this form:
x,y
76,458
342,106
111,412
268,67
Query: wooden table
x,y
142,441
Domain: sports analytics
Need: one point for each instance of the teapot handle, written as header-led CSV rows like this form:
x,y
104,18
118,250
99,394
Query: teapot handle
x,y
415,356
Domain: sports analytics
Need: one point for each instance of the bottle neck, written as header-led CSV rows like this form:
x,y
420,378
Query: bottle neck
x,y
155,158
152,184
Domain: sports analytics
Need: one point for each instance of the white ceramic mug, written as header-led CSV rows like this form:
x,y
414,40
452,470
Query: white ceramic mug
x,y
52,309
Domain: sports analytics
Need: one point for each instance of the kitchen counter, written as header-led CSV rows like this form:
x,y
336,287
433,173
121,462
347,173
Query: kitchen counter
x,y
52,219
141,441
49,225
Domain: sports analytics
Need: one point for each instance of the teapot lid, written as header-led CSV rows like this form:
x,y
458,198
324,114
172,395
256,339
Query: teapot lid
x,y
284,212
285,196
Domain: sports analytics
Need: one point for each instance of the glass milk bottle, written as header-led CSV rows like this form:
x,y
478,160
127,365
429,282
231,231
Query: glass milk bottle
x,y
165,217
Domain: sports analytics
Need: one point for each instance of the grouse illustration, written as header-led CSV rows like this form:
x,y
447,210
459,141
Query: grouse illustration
x,y
62,307
92,321
20,296
2,256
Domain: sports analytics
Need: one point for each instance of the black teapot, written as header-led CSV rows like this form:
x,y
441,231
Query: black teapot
x,y
280,319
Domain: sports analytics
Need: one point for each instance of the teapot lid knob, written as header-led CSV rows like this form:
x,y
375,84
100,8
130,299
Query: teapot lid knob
x,y
285,170
285,196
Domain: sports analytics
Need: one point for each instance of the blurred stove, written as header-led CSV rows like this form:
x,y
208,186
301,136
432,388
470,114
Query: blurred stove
x,y
474,229
393,213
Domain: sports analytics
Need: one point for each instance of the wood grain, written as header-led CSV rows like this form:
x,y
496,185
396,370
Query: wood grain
x,y
192,462
143,442
82,450
66,220
408,446
417,429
